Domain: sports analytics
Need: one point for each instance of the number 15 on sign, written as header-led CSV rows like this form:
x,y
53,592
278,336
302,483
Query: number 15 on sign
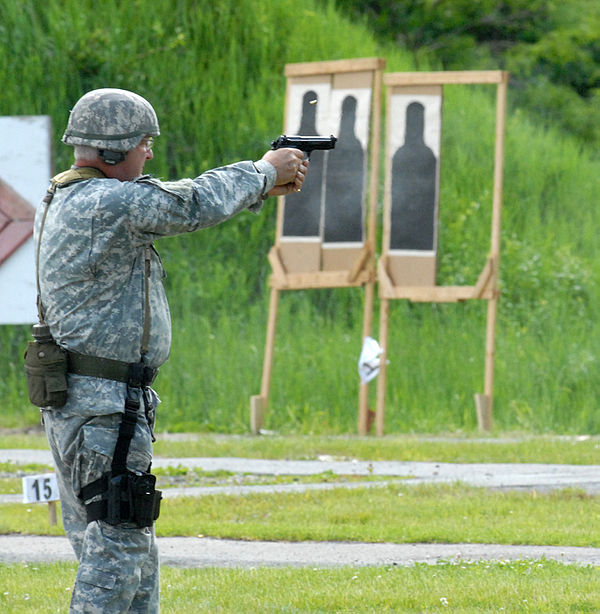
x,y
40,488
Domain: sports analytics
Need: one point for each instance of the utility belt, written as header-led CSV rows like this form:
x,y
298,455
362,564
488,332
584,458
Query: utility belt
x,y
47,365
125,496
135,374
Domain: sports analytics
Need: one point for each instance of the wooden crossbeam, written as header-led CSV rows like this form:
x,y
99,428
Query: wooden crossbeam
x,y
484,289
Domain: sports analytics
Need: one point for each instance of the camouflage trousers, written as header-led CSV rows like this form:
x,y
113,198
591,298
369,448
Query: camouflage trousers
x,y
118,565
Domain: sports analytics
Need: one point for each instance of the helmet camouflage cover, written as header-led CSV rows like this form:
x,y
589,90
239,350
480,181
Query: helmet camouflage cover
x,y
112,119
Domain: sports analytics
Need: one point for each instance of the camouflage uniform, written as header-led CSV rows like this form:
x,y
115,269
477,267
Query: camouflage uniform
x,y
92,289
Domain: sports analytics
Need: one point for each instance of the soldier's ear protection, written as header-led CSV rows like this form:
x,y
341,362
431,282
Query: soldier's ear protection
x,y
111,157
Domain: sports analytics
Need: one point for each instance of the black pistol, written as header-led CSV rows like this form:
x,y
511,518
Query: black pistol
x,y
306,144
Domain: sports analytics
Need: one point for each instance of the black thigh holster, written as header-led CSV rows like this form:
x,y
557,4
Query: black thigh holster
x,y
127,497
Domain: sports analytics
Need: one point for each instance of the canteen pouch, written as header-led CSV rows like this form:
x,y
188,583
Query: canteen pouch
x,y
46,371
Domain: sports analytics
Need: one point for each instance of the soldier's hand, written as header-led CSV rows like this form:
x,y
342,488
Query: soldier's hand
x,y
291,170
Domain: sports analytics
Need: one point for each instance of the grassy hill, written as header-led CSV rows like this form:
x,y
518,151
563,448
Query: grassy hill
x,y
214,72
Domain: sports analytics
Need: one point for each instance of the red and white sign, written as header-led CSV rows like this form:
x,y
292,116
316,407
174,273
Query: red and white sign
x,y
25,171
16,221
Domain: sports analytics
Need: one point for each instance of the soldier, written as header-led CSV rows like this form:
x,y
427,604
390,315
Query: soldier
x,y
101,295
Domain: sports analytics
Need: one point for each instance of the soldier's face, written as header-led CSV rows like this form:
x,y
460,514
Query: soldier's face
x,y
133,165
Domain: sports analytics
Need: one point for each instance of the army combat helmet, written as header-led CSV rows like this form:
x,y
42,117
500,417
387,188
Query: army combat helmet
x,y
111,120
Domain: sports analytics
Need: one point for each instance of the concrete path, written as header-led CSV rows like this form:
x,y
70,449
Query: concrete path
x,y
201,552
208,552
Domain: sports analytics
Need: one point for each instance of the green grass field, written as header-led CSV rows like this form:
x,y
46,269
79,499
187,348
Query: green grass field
x,y
540,586
397,513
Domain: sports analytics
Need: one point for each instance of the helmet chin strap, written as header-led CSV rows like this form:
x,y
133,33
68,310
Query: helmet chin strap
x,y
111,157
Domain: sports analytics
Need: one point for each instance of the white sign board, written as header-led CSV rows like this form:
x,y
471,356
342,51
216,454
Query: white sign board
x,y
25,171
40,488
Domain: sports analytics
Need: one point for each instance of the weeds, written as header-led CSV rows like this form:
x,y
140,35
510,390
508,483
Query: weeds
x,y
217,284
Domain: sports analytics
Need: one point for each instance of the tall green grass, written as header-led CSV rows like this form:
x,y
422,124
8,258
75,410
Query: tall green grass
x,y
214,72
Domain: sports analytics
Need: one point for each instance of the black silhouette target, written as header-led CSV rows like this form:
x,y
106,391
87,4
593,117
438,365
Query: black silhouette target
x,y
330,207
303,209
414,185
343,219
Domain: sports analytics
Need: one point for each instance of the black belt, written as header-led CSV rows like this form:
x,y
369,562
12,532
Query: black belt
x,y
107,368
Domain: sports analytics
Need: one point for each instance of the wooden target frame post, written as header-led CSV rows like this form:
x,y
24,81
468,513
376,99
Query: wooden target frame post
x,y
304,262
486,286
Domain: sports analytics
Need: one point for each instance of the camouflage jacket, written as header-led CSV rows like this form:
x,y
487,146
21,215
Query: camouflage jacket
x,y
92,253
